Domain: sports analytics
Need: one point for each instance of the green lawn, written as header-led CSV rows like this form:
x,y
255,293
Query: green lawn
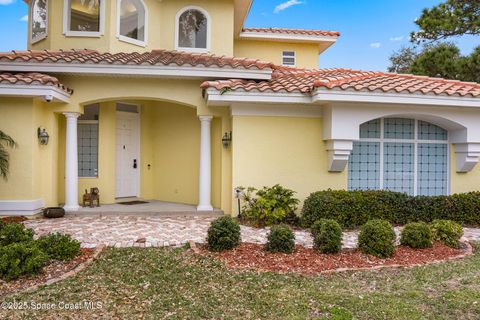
x,y
172,284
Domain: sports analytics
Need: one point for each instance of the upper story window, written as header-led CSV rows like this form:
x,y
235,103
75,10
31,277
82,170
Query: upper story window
x,y
84,17
132,21
39,20
288,58
193,29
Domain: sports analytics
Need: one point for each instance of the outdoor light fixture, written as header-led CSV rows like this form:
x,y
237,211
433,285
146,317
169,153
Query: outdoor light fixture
x,y
42,136
227,139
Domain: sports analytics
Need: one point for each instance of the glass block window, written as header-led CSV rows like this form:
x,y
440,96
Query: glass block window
x,y
370,129
364,168
87,136
402,155
398,167
399,128
428,131
432,169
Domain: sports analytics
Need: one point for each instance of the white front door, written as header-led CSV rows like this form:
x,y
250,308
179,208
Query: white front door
x,y
128,149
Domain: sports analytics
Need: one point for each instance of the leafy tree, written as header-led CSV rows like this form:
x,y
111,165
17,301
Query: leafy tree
x,y
5,141
452,18
437,60
402,60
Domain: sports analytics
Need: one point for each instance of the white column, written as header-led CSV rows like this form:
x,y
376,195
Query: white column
x,y
71,163
205,203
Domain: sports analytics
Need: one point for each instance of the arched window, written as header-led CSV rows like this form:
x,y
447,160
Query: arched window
x,y
39,20
132,21
402,155
193,29
84,18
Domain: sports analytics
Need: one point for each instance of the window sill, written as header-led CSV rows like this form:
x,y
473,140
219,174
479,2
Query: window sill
x,y
83,34
138,43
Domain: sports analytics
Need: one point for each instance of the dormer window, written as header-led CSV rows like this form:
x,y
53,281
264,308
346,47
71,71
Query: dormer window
x,y
132,21
193,30
39,20
84,18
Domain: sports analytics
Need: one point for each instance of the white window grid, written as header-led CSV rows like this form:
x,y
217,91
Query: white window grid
x,y
416,142
289,58
88,150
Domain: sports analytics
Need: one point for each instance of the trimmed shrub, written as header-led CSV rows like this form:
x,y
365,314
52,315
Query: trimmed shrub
x,y
280,239
223,234
377,238
447,231
19,259
15,233
327,236
416,235
354,208
59,246
270,205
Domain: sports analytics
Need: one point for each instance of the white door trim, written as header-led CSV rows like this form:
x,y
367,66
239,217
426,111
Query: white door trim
x,y
137,136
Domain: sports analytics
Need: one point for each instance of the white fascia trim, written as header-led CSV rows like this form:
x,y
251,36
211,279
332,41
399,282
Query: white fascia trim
x,y
286,37
326,95
34,91
274,110
215,98
21,207
140,70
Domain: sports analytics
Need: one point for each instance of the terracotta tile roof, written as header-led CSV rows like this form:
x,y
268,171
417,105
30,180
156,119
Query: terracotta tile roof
x,y
155,57
294,31
32,79
305,81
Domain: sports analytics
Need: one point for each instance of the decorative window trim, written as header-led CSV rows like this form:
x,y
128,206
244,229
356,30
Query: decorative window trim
x,y
86,34
415,141
32,40
177,30
285,56
131,40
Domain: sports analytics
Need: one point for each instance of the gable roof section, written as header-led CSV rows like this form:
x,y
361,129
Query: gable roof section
x,y
154,63
290,80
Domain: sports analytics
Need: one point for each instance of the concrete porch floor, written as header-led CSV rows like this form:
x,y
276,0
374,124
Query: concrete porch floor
x,y
152,208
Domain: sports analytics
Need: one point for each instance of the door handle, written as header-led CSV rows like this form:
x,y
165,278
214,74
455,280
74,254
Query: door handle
x,y
134,163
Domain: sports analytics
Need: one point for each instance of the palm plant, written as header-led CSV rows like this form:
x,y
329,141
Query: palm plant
x,y
5,141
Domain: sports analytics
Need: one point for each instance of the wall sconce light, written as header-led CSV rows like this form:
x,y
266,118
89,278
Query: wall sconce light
x,y
227,139
42,136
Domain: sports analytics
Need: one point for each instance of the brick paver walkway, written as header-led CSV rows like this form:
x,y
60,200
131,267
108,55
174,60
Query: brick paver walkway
x,y
155,231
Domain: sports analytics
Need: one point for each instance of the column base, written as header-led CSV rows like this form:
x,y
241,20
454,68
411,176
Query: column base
x,y
71,208
204,208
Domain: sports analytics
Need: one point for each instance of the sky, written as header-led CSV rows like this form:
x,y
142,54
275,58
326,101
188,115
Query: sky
x,y
371,29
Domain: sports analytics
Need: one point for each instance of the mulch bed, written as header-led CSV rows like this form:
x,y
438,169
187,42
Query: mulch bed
x,y
51,271
308,261
17,219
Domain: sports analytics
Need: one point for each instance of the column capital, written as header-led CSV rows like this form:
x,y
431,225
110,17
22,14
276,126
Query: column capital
x,y
71,115
467,156
338,153
205,118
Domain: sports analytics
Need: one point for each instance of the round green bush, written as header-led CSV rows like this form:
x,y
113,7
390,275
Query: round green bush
x,y
59,246
24,258
223,234
417,235
447,231
280,239
327,236
377,238
15,233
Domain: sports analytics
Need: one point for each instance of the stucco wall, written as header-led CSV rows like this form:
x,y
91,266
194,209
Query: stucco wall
x,y
306,54
161,27
285,150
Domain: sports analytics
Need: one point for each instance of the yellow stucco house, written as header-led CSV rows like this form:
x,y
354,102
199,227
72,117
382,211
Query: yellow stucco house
x,y
162,105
